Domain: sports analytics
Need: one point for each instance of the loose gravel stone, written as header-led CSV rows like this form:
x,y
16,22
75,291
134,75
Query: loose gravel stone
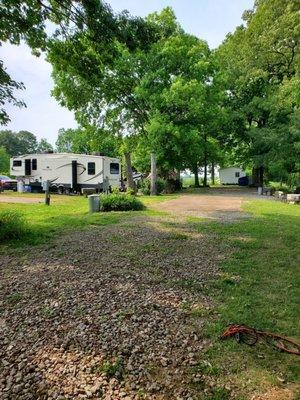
x,y
105,313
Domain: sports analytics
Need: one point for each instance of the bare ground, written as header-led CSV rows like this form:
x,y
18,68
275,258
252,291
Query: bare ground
x,y
101,313
22,200
220,203
105,313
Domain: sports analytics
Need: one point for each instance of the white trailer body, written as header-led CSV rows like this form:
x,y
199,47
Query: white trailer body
x,y
66,171
231,175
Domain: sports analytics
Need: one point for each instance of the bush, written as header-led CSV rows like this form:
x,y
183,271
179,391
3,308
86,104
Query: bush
x,y
280,186
12,225
146,184
120,202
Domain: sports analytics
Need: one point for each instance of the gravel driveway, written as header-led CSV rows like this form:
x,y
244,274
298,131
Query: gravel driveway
x,y
22,200
106,313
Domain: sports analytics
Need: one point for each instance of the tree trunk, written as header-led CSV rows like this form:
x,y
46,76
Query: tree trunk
x,y
153,189
129,173
258,176
197,184
205,163
212,173
261,176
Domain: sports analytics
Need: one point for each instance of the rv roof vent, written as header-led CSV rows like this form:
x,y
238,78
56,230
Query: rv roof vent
x,y
48,152
97,153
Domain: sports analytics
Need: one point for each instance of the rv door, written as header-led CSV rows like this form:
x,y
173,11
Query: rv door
x,y
27,166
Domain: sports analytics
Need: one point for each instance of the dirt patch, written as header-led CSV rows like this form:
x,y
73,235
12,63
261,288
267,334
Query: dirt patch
x,y
207,206
276,394
105,313
22,200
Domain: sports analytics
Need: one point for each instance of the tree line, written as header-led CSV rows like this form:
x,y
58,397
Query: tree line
x,y
145,90
17,143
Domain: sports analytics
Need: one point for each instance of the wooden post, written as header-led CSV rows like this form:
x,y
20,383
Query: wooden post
x,y
47,193
153,189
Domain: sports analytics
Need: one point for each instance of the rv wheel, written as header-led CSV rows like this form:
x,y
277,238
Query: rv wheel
x,y
60,190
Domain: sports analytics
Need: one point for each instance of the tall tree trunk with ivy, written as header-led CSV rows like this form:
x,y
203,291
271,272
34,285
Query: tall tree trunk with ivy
x,y
153,188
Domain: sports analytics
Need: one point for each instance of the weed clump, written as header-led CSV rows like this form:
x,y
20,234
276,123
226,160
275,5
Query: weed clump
x,y
12,226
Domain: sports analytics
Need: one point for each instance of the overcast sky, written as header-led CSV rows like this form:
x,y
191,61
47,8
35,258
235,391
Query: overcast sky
x,y
210,20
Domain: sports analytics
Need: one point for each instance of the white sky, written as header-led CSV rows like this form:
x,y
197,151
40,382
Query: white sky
x,y
210,20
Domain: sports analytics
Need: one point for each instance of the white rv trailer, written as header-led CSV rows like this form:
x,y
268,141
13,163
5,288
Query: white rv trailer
x,y
66,172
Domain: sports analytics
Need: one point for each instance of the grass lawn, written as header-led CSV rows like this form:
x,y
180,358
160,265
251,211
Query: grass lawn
x,y
65,213
258,284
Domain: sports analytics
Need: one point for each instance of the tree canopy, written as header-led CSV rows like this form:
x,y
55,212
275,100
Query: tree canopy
x,y
22,142
143,85
260,64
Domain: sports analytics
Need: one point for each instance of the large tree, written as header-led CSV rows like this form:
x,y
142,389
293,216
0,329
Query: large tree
x,y
88,140
44,146
4,161
182,90
102,89
17,143
261,62
82,21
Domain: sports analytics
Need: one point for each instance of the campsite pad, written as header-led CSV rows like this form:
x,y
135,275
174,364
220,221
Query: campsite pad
x,y
22,200
216,207
105,313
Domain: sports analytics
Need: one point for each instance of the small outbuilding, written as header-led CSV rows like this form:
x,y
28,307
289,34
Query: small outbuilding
x,y
231,175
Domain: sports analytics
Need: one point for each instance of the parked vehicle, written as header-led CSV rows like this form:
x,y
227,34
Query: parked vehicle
x,y
7,183
66,172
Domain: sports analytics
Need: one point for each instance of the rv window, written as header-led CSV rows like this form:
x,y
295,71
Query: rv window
x,y
237,174
17,163
91,168
34,164
114,168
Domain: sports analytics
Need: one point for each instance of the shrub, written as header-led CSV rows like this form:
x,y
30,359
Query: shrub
x,y
146,184
280,186
120,202
130,191
12,225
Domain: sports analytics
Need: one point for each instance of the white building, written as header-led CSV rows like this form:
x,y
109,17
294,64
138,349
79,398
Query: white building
x,y
231,175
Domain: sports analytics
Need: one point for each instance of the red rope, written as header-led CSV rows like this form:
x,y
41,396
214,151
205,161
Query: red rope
x,y
280,342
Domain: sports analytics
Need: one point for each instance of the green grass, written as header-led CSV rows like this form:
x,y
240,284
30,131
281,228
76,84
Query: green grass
x,y
64,214
259,286
258,283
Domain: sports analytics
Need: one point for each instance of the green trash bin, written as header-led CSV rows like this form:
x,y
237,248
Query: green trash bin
x,y
94,203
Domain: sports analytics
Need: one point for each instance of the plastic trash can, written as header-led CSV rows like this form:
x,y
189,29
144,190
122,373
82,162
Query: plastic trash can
x,y
94,203
20,187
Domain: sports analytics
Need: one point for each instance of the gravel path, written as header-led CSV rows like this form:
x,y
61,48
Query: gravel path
x,y
106,313
22,200
216,207
221,203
